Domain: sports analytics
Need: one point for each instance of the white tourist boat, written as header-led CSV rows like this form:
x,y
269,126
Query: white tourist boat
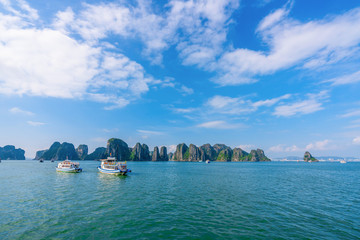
x,y
342,161
111,166
69,167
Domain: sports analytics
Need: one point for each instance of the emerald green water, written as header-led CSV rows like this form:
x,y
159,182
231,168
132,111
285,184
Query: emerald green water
x,y
173,200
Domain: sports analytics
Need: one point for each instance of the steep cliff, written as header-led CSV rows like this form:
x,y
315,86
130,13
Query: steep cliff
x,y
10,152
59,151
163,154
82,151
118,148
99,153
181,153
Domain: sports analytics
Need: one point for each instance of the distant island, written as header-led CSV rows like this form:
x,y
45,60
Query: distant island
x,y
10,152
309,158
140,152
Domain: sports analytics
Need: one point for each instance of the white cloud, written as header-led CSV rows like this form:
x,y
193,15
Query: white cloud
x,y
171,148
147,133
41,61
229,105
35,124
184,110
197,28
20,8
16,110
320,145
284,148
271,102
219,125
44,62
274,18
356,141
352,113
186,90
346,79
150,132
307,106
236,106
292,43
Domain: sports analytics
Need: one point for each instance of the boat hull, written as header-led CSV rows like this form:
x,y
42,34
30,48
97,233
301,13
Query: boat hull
x,y
114,172
69,170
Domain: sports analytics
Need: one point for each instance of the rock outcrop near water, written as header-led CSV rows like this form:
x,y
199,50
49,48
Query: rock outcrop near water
x,y
82,151
156,155
39,154
181,153
257,155
118,148
239,155
225,155
140,153
99,153
218,152
207,152
59,151
309,158
163,154
194,153
10,152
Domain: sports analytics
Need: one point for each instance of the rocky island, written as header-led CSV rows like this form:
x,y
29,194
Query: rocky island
x,y
309,158
10,152
140,152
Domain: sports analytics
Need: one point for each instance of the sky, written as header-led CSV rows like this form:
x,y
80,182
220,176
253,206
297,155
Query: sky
x,y
279,75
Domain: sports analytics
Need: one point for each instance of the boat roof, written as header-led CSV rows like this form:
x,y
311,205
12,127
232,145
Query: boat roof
x,y
109,159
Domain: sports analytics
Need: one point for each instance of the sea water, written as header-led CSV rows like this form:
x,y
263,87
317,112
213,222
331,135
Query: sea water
x,y
181,200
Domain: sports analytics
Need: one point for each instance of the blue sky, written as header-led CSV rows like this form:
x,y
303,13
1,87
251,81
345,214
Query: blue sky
x,y
283,76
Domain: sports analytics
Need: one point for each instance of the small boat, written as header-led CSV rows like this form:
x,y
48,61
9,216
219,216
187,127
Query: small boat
x,y
41,160
52,160
207,161
111,166
69,167
342,161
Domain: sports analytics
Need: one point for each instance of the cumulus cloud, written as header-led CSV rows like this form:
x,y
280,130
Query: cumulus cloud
x,y
284,148
320,145
292,43
47,61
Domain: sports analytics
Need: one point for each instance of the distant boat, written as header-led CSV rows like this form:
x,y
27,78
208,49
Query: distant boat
x,y
52,160
111,166
207,161
342,161
69,167
41,160
200,161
